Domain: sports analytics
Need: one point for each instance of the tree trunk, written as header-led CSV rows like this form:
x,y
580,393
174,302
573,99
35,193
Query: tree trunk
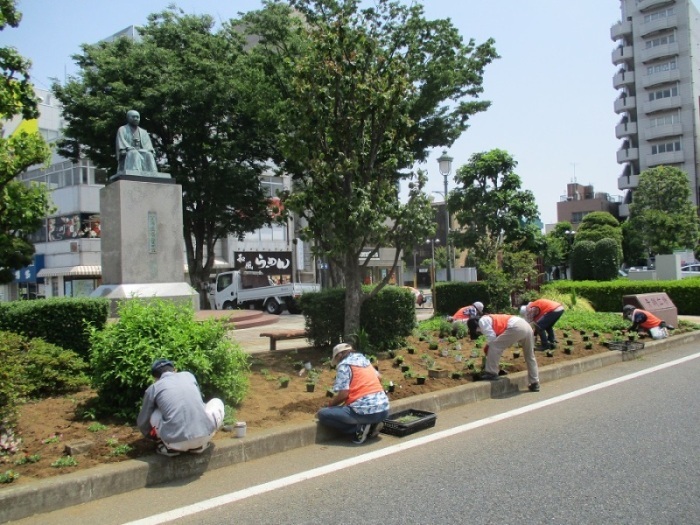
x,y
353,296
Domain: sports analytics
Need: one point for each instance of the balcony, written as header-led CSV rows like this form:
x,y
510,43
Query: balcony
x,y
625,129
654,53
662,104
623,79
646,5
669,22
658,132
627,155
622,54
624,104
621,29
627,182
673,157
663,77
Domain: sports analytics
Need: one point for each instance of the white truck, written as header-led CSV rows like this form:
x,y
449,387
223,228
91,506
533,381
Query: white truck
x,y
254,289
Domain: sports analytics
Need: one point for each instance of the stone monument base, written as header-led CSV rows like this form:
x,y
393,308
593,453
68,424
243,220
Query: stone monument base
x,y
117,293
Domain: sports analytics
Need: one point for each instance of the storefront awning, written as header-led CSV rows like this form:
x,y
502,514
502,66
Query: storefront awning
x,y
71,271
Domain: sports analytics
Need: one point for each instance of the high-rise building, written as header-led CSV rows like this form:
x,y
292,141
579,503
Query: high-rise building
x,y
658,60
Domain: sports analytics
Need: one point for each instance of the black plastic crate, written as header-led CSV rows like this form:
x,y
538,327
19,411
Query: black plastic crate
x,y
625,346
395,427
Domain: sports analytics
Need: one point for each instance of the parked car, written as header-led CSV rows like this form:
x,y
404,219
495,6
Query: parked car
x,y
690,270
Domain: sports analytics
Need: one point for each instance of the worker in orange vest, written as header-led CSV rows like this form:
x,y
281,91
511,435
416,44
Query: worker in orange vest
x,y
544,314
502,331
641,319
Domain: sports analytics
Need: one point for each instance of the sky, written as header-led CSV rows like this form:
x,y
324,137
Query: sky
x,y
551,91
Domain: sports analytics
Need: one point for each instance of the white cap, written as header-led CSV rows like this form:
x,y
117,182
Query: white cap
x,y
479,307
523,311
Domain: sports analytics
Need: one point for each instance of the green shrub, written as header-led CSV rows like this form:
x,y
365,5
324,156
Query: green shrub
x,y
583,261
386,319
451,296
606,256
60,321
607,296
122,354
35,368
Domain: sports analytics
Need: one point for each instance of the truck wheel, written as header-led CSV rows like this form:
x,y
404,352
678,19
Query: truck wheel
x,y
293,307
230,305
273,307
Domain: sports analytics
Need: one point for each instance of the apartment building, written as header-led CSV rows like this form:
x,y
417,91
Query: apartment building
x,y
580,200
658,61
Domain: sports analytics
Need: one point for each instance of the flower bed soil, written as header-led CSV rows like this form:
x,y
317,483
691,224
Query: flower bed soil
x,y
46,426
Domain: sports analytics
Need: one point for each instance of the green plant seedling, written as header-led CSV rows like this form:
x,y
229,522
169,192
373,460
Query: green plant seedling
x,y
9,476
96,427
64,461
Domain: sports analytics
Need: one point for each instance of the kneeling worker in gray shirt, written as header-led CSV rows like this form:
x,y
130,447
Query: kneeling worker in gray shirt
x,y
174,412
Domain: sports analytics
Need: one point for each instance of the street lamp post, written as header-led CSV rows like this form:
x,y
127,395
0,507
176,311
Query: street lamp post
x,y
570,241
432,266
445,166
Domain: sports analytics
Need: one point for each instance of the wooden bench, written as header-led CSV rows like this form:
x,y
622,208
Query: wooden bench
x,y
283,335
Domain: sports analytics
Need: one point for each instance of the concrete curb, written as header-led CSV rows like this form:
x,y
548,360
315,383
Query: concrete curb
x,y
109,480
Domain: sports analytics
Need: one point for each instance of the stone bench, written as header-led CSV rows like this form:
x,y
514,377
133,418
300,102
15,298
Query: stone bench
x,y
283,335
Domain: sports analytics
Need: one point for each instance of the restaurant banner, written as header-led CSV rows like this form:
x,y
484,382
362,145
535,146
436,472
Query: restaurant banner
x,y
269,263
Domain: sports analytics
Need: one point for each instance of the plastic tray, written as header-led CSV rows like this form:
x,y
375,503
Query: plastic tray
x,y
625,346
396,428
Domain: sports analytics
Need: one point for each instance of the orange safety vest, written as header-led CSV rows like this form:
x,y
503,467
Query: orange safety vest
x,y
651,322
460,316
363,383
499,322
544,306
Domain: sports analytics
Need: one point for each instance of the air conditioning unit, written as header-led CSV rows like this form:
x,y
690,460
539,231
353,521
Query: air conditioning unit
x,y
74,247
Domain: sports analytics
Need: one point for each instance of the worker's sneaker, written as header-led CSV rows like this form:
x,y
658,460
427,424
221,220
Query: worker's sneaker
x,y
533,387
361,434
199,450
165,451
375,429
487,376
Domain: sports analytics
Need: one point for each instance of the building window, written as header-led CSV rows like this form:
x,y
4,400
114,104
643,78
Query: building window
x,y
666,147
657,15
660,41
578,216
665,120
663,93
663,66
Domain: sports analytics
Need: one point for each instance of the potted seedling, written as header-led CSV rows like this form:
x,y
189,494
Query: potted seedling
x,y
568,350
330,392
398,360
405,367
420,380
516,354
283,381
411,350
569,342
588,346
456,375
549,353
388,386
311,380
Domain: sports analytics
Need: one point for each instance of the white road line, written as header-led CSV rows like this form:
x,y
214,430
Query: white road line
x,y
232,497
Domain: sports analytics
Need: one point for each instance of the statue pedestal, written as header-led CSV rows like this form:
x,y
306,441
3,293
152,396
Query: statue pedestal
x,y
142,241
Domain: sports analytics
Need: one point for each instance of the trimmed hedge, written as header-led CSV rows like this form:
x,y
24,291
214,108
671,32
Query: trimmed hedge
x,y
60,321
387,318
607,296
451,296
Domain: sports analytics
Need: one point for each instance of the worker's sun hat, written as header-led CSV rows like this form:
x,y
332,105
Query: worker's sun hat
x,y
479,307
160,363
339,349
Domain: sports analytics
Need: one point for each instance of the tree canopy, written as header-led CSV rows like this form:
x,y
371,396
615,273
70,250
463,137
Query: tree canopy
x,y
662,211
208,107
491,208
368,93
22,208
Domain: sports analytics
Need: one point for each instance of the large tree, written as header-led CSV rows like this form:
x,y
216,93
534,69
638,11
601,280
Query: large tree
x,y
22,208
662,212
369,93
491,208
209,110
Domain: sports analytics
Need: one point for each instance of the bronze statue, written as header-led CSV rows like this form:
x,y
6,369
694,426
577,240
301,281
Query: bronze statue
x,y
135,152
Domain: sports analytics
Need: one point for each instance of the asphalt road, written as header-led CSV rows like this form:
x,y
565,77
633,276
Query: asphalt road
x,y
617,445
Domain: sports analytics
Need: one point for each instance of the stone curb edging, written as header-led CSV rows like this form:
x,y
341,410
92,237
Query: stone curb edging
x,y
109,480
